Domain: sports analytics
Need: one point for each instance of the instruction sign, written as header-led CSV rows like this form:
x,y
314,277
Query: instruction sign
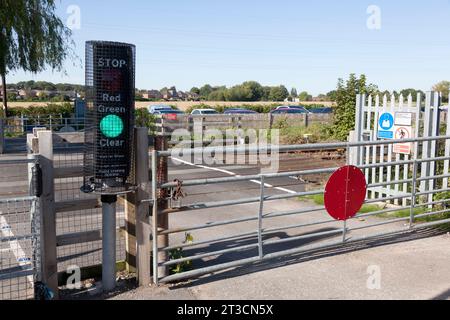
x,y
401,133
386,124
403,119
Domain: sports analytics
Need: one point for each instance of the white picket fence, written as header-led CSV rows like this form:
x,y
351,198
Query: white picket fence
x,y
427,122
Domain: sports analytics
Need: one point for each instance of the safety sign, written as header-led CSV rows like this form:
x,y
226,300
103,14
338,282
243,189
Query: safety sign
x,y
386,126
401,133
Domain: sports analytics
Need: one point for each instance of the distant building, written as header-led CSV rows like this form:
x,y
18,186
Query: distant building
x,y
153,94
182,95
191,96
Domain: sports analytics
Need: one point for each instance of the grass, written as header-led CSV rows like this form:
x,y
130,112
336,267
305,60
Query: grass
x,y
318,199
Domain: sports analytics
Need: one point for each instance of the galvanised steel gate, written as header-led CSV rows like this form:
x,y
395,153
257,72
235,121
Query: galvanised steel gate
x,y
262,232
19,232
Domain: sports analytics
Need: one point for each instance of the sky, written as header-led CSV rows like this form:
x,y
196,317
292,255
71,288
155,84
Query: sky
x,y
303,44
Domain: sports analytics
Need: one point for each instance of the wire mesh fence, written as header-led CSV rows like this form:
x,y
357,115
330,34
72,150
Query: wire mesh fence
x,y
77,221
19,248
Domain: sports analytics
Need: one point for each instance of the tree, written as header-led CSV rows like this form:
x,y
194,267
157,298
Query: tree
x,y
217,95
443,87
32,38
294,93
305,96
413,92
195,90
332,95
278,93
345,110
256,90
205,91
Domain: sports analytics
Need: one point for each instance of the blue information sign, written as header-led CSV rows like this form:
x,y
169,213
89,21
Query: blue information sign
x,y
386,124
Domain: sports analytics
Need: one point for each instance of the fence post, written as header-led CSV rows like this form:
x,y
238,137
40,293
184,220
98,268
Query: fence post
x,y
360,101
49,266
306,120
2,135
260,218
137,213
270,121
161,144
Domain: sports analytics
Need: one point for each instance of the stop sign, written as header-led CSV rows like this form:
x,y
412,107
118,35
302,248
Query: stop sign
x,y
345,193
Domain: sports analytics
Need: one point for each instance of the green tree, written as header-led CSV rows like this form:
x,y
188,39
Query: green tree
x,y
345,110
443,87
218,95
332,95
195,90
256,90
32,38
413,92
205,91
305,96
278,93
266,93
294,93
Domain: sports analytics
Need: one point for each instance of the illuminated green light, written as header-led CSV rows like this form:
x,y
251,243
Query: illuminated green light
x,y
111,126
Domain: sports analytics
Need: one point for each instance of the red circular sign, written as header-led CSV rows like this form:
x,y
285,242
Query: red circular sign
x,y
345,193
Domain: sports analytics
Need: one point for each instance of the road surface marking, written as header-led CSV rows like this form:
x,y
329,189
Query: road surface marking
x,y
232,174
15,247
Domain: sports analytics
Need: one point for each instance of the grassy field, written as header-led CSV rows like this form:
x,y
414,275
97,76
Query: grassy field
x,y
182,105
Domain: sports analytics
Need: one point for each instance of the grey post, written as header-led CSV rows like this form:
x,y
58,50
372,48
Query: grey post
x,y
155,216
49,266
413,193
142,210
2,135
260,219
360,100
109,242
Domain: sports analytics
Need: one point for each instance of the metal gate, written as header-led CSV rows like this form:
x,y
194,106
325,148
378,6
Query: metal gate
x,y
19,232
263,232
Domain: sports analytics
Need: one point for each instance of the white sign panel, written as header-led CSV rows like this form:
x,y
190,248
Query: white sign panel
x,y
403,119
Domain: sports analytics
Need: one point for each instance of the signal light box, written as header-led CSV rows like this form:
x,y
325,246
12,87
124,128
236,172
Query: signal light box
x,y
109,121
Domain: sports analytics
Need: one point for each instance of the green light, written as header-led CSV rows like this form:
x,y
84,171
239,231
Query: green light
x,y
111,126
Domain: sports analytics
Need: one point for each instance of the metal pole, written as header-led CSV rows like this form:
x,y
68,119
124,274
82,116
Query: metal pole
x,y
344,232
109,242
413,194
155,216
260,219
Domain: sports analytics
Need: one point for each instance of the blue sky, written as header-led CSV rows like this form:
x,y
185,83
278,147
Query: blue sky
x,y
302,44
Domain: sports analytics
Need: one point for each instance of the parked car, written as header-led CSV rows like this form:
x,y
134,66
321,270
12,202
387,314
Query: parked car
x,y
153,109
167,114
322,110
290,111
294,107
167,111
204,112
239,111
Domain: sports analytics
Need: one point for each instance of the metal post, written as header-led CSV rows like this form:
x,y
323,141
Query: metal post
x,y
161,173
344,233
413,194
155,216
109,242
260,219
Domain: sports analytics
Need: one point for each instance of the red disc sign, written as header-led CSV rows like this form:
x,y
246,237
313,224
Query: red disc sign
x,y
345,193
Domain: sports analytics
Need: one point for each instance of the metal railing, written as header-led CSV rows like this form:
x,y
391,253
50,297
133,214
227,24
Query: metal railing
x,y
20,126
433,212
20,249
